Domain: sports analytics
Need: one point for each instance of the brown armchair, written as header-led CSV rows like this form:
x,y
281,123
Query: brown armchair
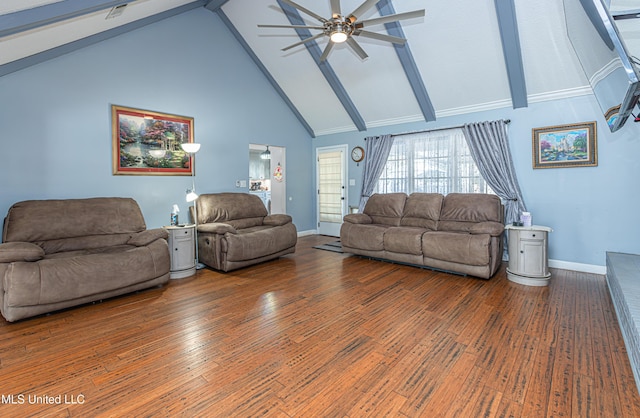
x,y
235,230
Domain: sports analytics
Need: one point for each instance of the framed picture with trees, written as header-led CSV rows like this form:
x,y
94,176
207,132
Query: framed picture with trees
x,y
573,145
149,143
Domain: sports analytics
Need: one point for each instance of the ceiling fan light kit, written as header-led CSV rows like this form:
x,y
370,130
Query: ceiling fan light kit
x,y
339,32
341,29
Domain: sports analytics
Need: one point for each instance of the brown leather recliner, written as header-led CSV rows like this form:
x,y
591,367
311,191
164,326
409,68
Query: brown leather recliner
x,y
61,253
235,230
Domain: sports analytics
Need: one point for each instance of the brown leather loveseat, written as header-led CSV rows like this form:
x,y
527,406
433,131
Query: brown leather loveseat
x,y
459,232
61,253
235,230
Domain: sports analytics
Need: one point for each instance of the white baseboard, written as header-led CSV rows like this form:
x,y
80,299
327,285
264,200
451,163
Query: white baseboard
x,y
585,268
307,233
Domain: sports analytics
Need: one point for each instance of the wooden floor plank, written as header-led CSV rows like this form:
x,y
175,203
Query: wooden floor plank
x,y
562,374
319,333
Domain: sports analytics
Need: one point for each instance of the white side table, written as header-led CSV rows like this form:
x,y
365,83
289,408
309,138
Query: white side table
x,y
182,250
528,259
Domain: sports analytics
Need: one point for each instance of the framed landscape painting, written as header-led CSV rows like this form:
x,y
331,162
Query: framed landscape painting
x,y
572,145
149,143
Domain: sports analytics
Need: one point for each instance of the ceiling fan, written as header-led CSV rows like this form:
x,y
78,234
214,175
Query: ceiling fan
x,y
340,28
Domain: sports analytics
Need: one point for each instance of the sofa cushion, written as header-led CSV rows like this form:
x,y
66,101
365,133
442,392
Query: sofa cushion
x,y
59,278
258,242
405,240
217,228
457,247
20,251
461,211
494,229
245,223
102,250
246,210
44,220
422,210
147,236
368,237
277,219
357,218
82,243
385,209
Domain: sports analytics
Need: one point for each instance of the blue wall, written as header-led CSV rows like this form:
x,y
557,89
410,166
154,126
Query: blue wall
x,y
56,120
591,209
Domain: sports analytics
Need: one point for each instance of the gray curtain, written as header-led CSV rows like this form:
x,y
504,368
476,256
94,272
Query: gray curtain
x,y
489,147
376,151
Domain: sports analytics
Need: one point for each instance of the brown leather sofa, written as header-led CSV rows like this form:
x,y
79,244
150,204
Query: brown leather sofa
x,y
61,253
459,232
235,230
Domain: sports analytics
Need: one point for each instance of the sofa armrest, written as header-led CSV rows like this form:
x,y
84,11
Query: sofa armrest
x,y
358,218
20,251
277,219
217,228
146,237
495,229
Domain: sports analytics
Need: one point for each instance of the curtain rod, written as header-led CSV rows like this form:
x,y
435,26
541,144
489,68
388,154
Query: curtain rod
x,y
507,121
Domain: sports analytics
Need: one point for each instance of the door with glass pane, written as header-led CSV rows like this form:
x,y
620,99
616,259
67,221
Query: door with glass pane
x,y
332,191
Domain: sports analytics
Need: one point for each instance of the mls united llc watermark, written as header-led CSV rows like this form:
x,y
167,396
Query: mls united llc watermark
x,y
31,399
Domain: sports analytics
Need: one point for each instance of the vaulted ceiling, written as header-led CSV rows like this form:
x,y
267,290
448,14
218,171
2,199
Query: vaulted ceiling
x,y
462,56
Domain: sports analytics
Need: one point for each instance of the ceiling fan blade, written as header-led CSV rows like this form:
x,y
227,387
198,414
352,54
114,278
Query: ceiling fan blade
x,y
380,36
632,14
355,15
311,38
326,51
307,11
356,47
390,18
292,26
335,8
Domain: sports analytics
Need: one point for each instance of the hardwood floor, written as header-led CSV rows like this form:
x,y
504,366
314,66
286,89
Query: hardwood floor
x,y
323,334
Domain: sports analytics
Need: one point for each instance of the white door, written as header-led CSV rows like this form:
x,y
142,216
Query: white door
x,y
332,188
268,177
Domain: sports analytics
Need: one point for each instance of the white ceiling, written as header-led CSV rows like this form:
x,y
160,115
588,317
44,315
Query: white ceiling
x,y
456,47
10,6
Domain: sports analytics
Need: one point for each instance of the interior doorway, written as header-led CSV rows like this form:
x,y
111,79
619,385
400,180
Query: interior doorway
x,y
331,177
268,176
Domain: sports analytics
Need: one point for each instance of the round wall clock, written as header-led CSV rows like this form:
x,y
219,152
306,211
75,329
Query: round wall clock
x,y
357,154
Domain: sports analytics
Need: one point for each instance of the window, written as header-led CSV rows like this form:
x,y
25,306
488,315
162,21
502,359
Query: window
x,y
431,162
